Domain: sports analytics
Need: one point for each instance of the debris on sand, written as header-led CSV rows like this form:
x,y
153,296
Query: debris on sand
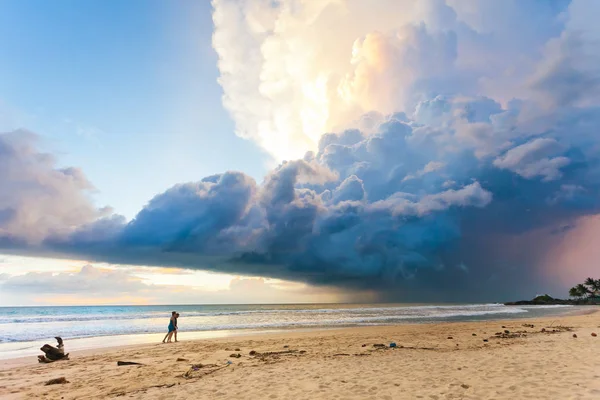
x,y
557,329
450,337
45,360
52,353
57,381
594,334
200,370
379,345
196,367
279,353
274,356
120,363
510,335
182,359
392,345
238,350
473,334
348,355
234,355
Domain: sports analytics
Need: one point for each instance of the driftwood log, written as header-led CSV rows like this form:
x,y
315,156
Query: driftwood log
x,y
46,360
128,363
52,353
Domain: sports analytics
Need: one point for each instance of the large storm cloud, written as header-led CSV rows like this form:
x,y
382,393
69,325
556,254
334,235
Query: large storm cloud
x,y
459,151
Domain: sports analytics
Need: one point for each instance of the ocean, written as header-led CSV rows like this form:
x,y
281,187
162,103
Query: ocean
x,y
24,329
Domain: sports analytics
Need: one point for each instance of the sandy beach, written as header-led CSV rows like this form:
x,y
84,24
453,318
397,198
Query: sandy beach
x,y
474,360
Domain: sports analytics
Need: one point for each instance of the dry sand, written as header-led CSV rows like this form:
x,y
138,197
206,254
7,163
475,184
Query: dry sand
x,y
437,361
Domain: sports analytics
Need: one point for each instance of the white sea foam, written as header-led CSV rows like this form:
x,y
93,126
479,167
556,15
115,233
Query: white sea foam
x,y
41,323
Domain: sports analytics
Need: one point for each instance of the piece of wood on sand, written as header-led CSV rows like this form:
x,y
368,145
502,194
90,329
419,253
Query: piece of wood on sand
x,y
128,363
46,360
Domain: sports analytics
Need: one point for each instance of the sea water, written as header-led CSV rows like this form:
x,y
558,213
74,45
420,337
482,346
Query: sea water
x,y
28,328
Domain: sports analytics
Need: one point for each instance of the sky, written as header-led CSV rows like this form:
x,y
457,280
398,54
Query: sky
x,y
114,86
294,151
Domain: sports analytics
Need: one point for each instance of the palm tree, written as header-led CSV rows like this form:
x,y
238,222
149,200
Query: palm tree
x,y
593,285
590,282
582,290
573,292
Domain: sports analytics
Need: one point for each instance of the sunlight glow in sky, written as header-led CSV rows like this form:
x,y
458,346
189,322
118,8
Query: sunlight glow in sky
x,y
73,282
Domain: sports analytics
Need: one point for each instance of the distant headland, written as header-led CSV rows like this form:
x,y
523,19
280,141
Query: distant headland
x,y
583,294
549,300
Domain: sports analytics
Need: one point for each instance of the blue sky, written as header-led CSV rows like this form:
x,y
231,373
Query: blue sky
x,y
125,90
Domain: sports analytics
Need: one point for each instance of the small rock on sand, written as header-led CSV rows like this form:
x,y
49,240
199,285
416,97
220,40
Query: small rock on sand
x,y
473,334
575,336
450,337
506,331
286,346
252,352
594,334
485,340
234,355
237,350
379,345
57,381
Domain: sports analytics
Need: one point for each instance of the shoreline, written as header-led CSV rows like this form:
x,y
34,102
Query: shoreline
x,y
11,351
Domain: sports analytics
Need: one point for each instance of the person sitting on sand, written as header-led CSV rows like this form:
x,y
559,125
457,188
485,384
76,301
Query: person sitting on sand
x,y
53,353
172,325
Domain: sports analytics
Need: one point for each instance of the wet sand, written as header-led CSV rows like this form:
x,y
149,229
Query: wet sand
x,y
473,360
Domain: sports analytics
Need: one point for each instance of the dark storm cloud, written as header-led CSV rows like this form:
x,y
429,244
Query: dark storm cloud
x,y
350,217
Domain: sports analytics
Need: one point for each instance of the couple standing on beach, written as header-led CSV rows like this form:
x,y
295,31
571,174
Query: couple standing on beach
x,y
172,327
